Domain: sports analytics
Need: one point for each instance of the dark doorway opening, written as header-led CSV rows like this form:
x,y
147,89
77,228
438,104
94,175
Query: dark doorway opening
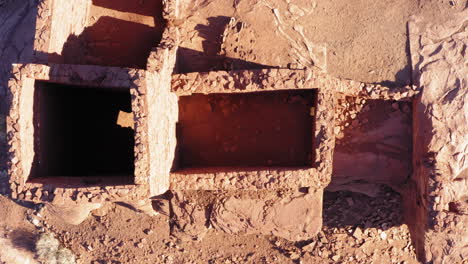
x,y
77,139
246,129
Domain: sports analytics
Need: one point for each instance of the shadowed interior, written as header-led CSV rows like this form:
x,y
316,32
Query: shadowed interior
x,y
118,33
122,33
76,134
246,129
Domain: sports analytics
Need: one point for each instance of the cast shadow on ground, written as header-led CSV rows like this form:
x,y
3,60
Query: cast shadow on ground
x,y
212,34
110,42
189,60
23,239
405,75
211,58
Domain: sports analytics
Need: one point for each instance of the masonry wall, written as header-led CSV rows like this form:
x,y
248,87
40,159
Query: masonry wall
x,y
58,20
21,134
162,111
70,19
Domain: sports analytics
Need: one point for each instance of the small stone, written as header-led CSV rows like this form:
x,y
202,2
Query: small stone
x,y
336,257
357,233
337,130
312,111
309,247
148,231
35,222
323,239
325,254
38,193
383,235
294,255
293,66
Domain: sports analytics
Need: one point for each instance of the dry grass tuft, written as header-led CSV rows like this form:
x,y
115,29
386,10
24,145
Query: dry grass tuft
x,y
49,251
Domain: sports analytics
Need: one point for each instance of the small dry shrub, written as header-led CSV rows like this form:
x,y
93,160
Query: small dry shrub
x,y
49,251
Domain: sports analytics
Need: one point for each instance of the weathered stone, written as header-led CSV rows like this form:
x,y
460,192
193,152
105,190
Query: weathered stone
x,y
295,217
309,247
439,149
189,218
357,233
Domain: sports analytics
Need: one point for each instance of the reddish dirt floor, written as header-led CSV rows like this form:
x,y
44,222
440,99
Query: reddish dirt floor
x,y
254,129
357,229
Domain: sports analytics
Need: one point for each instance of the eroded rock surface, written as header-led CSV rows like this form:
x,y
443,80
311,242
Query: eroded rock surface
x,y
16,45
73,214
294,217
189,216
438,188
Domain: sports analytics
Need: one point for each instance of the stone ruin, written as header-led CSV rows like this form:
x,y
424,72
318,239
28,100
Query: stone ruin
x,y
249,130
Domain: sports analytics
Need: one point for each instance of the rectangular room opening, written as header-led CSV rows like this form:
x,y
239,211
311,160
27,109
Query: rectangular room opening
x,y
246,130
77,138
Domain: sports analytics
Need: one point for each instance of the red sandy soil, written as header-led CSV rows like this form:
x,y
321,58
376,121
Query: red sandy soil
x,y
357,229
